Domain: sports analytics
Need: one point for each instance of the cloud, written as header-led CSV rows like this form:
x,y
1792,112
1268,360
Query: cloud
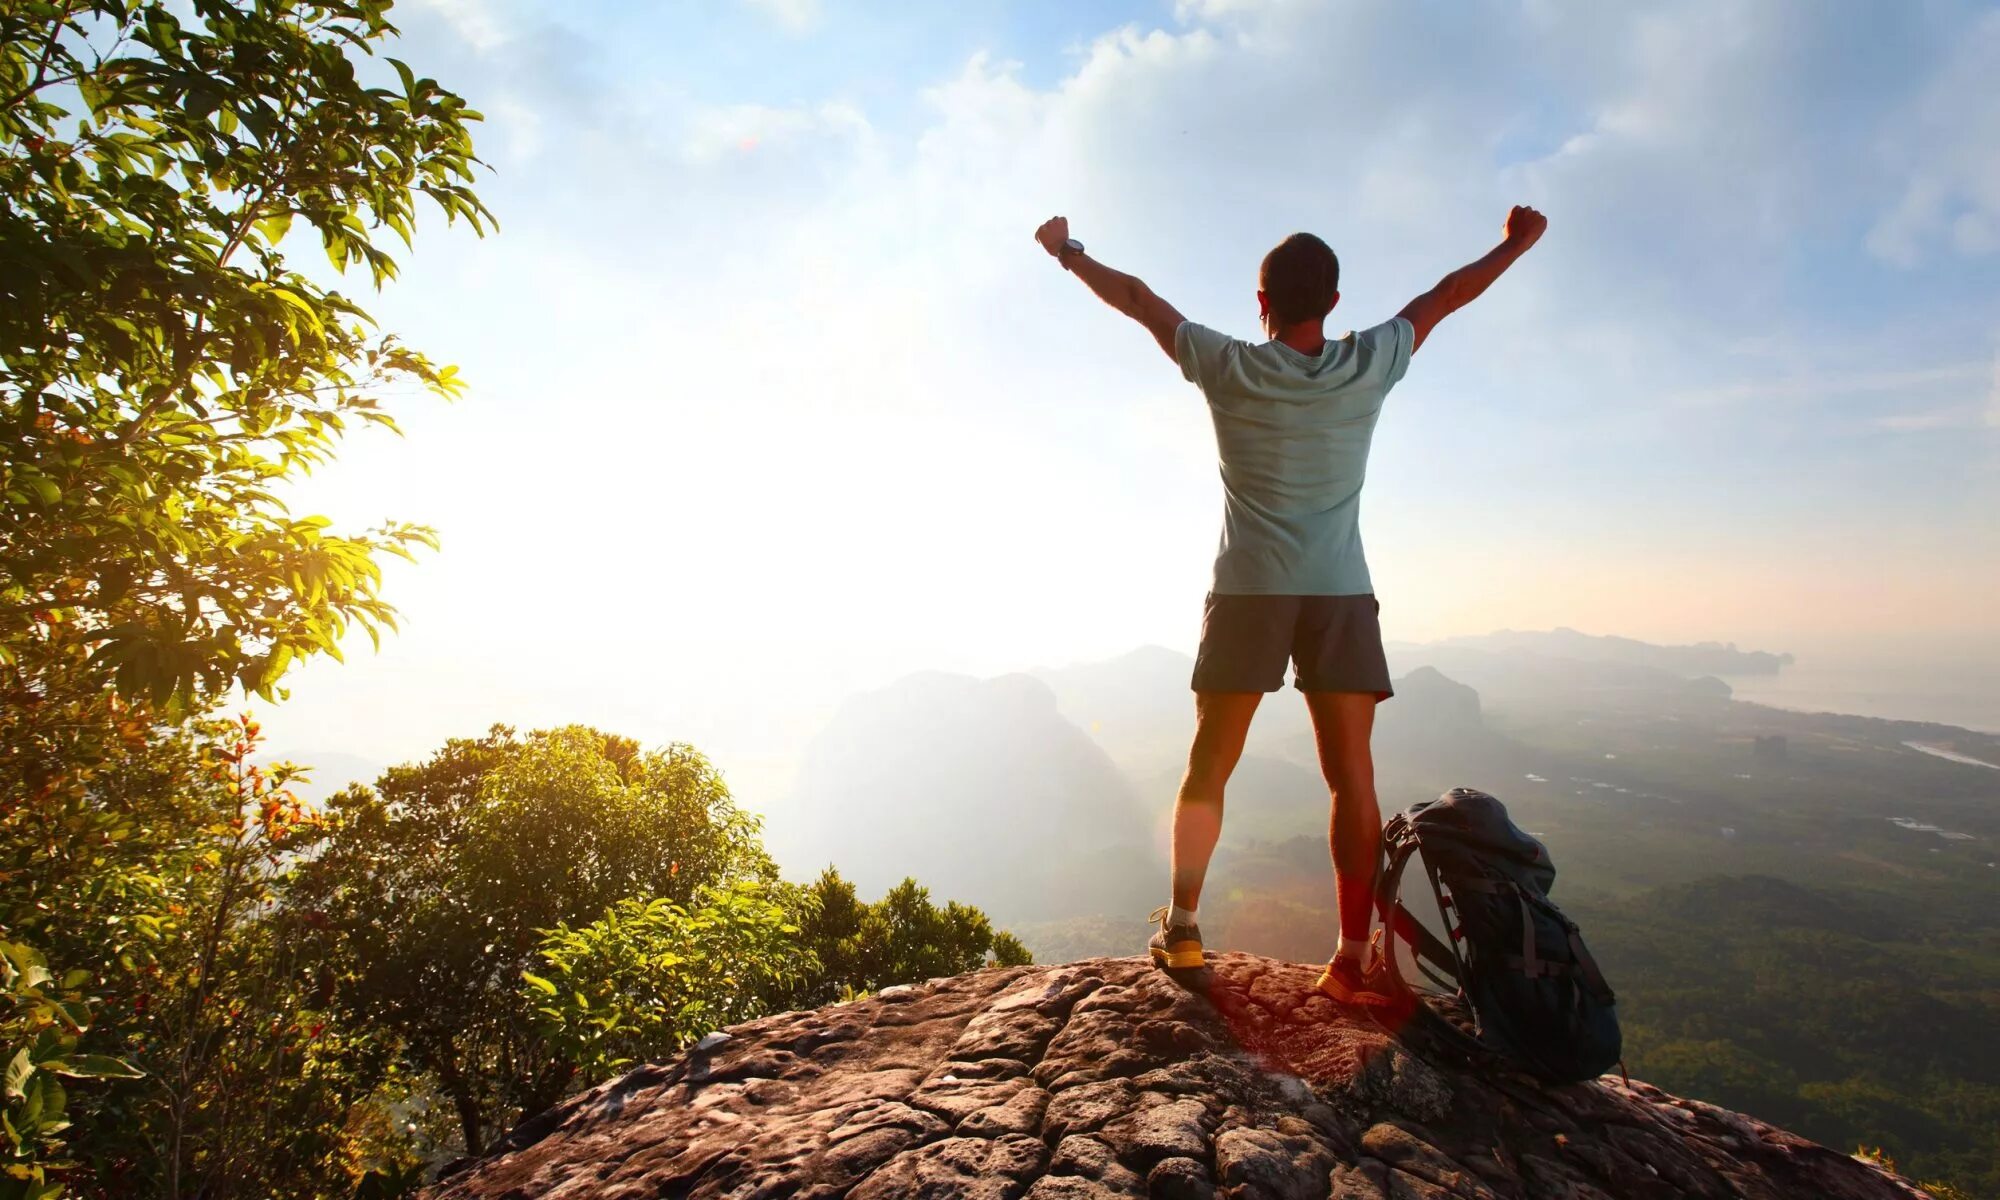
x,y
1825,385
1943,145
712,134
771,386
1958,416
473,20
792,16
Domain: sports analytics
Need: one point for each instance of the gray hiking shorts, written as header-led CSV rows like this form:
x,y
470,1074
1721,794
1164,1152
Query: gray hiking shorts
x,y
1335,642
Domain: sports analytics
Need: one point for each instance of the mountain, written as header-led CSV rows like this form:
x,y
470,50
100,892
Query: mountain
x,y
1106,1078
1703,658
981,787
331,770
1507,676
1068,776
1139,707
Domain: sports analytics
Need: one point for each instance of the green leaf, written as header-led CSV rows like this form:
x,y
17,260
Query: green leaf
x,y
94,1066
15,1080
538,983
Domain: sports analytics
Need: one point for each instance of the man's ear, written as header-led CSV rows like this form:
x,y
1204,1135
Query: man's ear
x,y
1263,305
1335,304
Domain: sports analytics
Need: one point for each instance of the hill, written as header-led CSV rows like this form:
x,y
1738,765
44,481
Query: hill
x,y
1702,658
1106,1078
985,783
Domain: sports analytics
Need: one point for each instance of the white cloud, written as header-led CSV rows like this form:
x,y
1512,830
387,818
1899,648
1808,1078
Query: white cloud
x,y
793,16
783,395
1824,385
1957,416
1943,144
712,134
473,20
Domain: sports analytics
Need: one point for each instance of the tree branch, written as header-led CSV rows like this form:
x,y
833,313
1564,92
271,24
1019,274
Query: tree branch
x,y
41,79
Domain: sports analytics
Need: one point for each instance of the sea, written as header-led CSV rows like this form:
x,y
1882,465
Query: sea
x,y
1963,690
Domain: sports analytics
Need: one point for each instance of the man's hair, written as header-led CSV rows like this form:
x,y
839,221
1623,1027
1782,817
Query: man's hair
x,y
1299,279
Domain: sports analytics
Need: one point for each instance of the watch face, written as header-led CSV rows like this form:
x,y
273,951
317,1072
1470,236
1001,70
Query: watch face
x,y
1072,245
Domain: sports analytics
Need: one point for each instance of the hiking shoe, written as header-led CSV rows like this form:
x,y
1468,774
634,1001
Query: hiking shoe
x,y
1348,982
1175,947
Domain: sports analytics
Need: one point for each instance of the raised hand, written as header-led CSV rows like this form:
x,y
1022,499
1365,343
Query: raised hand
x,y
1053,233
1525,226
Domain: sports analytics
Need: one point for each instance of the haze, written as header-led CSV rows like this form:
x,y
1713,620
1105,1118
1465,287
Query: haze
x,y
773,399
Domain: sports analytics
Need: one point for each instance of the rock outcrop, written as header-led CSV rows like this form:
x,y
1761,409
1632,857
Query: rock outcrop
x,y
1107,1078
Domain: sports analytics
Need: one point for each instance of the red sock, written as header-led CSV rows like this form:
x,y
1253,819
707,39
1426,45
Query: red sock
x,y
1357,900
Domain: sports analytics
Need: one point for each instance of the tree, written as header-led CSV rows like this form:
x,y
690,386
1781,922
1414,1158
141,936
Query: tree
x,y
163,371
432,893
42,1022
652,976
167,860
247,1086
1008,951
902,938
164,367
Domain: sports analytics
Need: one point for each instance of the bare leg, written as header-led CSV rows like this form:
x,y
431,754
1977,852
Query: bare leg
x,y
1221,722
1342,725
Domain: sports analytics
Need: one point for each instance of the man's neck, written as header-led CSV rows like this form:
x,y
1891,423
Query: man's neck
x,y
1307,337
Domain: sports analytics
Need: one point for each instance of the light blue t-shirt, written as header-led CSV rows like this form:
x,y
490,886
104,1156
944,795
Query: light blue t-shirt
x,y
1292,431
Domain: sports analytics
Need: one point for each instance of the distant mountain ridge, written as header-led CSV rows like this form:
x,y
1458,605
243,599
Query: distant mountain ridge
x,y
983,782
1046,797
1701,658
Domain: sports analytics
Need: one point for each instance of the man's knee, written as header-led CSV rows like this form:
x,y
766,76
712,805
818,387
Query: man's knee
x,y
1210,766
1350,778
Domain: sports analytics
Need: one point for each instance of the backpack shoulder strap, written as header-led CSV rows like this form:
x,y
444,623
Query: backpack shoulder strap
x,y
1398,844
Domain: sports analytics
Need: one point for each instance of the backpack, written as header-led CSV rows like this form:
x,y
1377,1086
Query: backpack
x,y
1516,962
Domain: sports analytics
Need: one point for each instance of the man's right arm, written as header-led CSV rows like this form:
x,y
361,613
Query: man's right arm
x,y
1126,293
1463,286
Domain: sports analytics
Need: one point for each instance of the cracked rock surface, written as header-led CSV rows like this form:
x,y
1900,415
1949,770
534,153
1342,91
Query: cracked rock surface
x,y
1106,1078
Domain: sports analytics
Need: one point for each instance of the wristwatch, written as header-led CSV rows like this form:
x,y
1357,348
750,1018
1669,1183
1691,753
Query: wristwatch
x,y
1070,246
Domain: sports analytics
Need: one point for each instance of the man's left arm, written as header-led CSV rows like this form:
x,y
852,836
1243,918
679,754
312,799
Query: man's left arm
x,y
1126,293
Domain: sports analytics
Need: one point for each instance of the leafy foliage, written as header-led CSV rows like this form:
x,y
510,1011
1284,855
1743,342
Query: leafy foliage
x,y
164,367
902,938
429,897
251,998
41,1025
168,849
650,976
522,914
163,373
1010,951
249,1085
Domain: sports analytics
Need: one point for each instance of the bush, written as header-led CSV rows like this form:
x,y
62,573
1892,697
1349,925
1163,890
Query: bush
x,y
650,976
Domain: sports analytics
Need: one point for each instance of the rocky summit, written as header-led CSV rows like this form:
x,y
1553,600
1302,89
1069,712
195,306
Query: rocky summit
x,y
1108,1078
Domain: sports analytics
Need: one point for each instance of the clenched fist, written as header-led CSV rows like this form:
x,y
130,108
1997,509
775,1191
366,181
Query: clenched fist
x,y
1525,226
1053,233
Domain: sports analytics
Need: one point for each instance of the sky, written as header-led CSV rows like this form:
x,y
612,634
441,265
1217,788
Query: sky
x,y
772,397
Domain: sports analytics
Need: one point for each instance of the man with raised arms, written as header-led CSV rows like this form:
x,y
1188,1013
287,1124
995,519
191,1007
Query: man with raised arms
x,y
1294,416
